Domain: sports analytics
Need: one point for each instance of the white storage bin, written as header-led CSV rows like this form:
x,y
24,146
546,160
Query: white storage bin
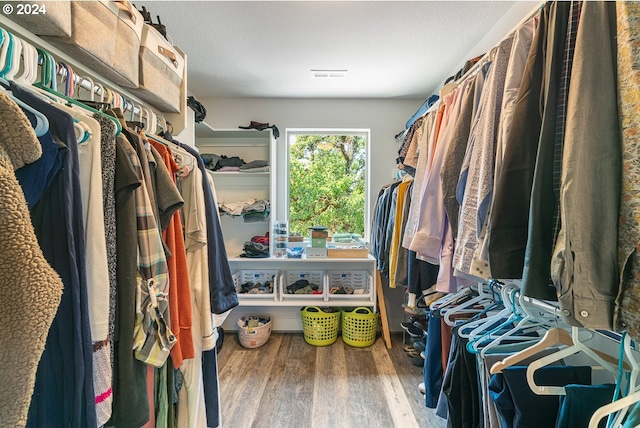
x,y
161,72
256,276
315,277
358,281
105,36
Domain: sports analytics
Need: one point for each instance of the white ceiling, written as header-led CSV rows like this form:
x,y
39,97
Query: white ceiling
x,y
391,49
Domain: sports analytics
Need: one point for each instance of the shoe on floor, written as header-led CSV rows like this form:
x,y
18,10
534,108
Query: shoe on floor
x,y
413,353
421,317
417,361
422,325
408,348
419,345
411,310
421,388
411,329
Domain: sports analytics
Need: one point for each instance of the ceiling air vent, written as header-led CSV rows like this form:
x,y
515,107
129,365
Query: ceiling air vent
x,y
328,74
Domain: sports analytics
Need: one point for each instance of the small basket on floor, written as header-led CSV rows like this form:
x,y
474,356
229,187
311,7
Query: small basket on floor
x,y
254,336
320,328
359,327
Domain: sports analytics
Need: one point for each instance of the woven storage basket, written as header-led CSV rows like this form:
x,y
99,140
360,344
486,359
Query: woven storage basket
x,y
105,37
359,327
53,19
253,337
161,72
320,328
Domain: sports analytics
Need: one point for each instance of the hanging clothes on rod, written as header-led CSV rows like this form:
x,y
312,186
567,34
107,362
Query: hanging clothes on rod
x,y
103,192
508,186
31,288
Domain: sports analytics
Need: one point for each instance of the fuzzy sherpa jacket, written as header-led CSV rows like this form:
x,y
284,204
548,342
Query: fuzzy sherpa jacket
x,y
30,290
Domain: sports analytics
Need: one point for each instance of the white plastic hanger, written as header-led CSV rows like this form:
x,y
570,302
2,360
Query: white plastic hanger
x,y
577,346
483,297
475,329
494,331
26,63
553,337
15,54
92,86
32,55
532,320
163,125
42,123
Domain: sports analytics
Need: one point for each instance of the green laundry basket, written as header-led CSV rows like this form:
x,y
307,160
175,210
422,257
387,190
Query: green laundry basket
x,y
359,327
320,328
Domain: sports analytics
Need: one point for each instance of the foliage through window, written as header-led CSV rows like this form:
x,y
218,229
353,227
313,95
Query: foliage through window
x,y
327,177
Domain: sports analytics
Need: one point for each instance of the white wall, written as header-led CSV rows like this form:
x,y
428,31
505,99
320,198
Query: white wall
x,y
385,118
516,15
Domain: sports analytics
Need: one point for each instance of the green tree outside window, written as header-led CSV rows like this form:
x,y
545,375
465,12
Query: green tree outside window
x,y
327,183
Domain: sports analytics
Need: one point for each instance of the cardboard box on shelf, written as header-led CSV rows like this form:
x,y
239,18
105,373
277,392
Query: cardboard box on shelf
x,y
347,253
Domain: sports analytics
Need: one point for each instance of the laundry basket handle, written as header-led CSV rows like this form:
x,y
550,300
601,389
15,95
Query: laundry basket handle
x,y
356,310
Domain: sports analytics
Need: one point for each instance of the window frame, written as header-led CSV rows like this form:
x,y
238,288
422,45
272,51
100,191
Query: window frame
x,y
283,187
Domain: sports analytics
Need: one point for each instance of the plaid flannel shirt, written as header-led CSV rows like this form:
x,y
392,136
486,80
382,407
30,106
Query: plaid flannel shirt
x,y
153,338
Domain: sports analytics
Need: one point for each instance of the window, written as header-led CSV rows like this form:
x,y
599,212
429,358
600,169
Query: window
x,y
327,182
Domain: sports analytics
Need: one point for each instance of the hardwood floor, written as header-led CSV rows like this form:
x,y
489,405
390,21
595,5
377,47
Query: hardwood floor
x,y
288,383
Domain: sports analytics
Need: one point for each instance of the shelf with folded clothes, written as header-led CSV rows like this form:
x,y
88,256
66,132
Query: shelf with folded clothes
x,y
241,164
222,163
251,210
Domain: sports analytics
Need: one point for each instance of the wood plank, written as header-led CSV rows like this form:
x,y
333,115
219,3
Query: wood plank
x,y
331,388
294,394
266,403
410,376
288,383
231,392
382,305
401,410
366,406
229,345
253,383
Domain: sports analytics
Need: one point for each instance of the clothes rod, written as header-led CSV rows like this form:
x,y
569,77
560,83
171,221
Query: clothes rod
x,y
135,107
61,56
